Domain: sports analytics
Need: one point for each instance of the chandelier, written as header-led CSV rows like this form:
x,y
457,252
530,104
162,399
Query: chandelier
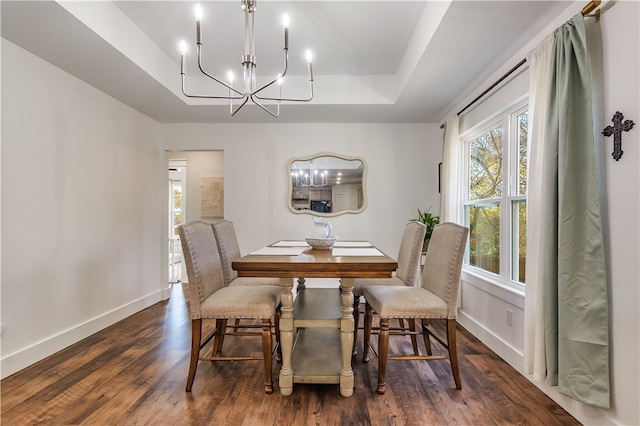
x,y
250,92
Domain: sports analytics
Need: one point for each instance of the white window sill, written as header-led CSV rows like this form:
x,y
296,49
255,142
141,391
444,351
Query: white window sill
x,y
491,285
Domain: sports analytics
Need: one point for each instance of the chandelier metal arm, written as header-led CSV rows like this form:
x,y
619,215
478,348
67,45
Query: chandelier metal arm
x,y
281,75
254,95
246,99
258,103
228,97
184,92
241,95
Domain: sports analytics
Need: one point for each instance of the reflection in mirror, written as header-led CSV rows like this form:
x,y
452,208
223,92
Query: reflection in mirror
x,y
327,184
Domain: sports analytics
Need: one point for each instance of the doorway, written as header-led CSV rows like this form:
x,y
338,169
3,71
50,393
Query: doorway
x,y
190,198
177,215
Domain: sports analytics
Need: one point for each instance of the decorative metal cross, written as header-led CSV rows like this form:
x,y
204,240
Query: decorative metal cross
x,y
616,130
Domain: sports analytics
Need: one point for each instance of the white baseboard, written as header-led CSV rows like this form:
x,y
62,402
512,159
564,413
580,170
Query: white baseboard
x,y
165,293
585,414
504,350
16,361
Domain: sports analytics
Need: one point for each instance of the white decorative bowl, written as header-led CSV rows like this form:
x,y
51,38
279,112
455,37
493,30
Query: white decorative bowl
x,y
321,243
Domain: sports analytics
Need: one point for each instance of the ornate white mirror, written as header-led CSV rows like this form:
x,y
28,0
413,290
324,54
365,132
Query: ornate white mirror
x,y
327,184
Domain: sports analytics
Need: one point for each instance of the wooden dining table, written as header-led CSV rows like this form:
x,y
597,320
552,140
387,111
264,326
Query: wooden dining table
x,y
317,322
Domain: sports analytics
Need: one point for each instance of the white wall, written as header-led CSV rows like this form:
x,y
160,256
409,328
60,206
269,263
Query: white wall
x,y
484,305
82,232
402,161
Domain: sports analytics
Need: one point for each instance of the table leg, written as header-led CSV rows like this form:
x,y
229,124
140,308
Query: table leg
x,y
286,336
346,336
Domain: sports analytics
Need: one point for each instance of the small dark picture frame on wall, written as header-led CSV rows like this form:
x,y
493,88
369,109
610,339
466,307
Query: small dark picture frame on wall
x,y
439,177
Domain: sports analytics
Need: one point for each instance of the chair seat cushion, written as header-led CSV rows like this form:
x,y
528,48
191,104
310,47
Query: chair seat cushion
x,y
242,302
244,281
361,283
405,302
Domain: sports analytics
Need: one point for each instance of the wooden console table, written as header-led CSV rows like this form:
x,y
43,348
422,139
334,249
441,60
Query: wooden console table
x,y
323,317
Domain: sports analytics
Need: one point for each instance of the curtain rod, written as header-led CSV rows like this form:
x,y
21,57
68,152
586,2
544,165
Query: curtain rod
x,y
589,7
585,12
507,74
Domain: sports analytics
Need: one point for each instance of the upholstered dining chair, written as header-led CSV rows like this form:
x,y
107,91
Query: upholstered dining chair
x,y
406,275
434,299
229,249
210,299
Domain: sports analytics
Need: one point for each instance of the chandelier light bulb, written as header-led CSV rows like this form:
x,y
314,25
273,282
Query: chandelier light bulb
x,y
285,25
309,57
230,77
198,12
183,57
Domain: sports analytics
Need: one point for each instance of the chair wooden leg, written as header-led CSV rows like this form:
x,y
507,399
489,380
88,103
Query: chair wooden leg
x,y
414,338
383,347
267,343
453,352
368,319
218,340
196,336
425,335
356,321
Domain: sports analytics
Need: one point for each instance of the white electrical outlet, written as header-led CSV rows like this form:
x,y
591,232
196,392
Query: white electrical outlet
x,y
509,317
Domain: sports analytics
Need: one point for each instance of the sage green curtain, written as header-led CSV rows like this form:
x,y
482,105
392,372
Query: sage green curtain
x,y
573,278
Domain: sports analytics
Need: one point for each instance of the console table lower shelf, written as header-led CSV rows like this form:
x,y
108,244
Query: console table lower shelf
x,y
317,356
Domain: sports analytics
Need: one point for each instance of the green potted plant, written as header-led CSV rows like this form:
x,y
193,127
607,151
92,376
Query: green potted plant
x,y
430,220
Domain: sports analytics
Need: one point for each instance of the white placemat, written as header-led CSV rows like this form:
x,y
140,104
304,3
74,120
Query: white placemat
x,y
279,251
356,251
291,243
352,244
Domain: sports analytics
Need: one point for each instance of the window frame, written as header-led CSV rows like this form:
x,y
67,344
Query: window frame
x,y
508,118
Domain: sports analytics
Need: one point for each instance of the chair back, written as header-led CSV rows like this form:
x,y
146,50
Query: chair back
x,y
228,247
443,263
204,268
410,253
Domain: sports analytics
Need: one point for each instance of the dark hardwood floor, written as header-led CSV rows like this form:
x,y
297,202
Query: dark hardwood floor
x,y
134,373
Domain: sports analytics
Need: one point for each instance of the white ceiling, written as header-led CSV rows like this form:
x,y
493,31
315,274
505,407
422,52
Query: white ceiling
x,y
374,61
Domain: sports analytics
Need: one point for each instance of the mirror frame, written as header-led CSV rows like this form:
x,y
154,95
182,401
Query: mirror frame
x,y
320,155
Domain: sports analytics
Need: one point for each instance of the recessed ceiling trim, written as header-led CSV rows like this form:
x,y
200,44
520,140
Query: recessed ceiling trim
x,y
112,25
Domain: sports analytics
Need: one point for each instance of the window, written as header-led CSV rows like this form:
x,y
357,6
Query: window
x,y
495,202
